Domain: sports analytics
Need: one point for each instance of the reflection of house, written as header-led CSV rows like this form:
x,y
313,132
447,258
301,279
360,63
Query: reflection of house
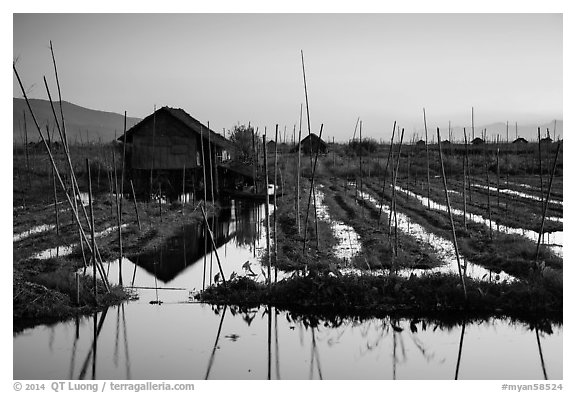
x,y
169,141
189,247
311,144
520,141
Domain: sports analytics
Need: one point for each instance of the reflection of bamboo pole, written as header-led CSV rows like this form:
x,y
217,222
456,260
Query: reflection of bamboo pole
x,y
460,350
213,245
386,172
216,343
451,220
547,200
541,356
269,342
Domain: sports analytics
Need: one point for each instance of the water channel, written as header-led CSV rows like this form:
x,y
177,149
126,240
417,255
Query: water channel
x,y
182,339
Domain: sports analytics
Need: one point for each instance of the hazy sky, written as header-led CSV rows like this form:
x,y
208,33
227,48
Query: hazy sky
x,y
230,68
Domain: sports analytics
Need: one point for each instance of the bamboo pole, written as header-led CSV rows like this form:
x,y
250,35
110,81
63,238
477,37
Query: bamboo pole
x,y
135,205
540,170
59,96
213,245
275,205
348,168
547,200
464,156
183,187
267,209
153,150
498,182
123,167
488,193
203,163
119,220
473,136
468,168
386,172
310,195
93,239
394,197
210,163
299,172
26,149
451,220
427,157
360,164
55,203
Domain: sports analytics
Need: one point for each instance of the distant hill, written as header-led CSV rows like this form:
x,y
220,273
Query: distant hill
x,y
82,124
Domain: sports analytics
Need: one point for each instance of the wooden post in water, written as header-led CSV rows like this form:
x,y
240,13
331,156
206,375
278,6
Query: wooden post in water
x,y
360,164
135,205
275,205
267,209
427,157
386,172
93,239
547,200
451,220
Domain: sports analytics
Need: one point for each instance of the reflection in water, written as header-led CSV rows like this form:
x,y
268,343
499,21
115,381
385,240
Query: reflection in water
x,y
183,341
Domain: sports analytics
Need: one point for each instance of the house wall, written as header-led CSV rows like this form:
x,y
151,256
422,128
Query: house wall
x,y
170,142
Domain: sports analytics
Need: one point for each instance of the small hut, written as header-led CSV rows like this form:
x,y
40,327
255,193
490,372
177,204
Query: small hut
x,y
478,141
546,140
311,144
421,143
170,146
520,141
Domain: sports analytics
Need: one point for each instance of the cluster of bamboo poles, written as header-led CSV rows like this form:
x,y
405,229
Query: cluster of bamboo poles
x,y
72,194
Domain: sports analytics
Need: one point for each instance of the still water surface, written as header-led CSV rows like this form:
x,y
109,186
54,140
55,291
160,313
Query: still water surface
x,y
181,339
